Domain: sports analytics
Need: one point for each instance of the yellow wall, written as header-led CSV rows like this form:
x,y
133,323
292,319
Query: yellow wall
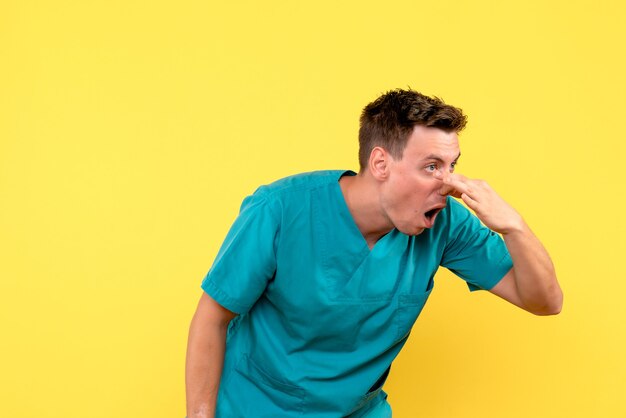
x,y
130,131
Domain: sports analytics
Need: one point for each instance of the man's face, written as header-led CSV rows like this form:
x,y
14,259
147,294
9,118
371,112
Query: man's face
x,y
410,195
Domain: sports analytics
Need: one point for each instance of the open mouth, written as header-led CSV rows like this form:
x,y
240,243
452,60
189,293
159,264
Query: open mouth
x,y
430,215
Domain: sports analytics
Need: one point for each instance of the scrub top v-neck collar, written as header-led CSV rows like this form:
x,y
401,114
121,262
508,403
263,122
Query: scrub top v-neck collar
x,y
350,224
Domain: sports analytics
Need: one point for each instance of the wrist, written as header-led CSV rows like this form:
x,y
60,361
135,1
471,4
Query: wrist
x,y
516,226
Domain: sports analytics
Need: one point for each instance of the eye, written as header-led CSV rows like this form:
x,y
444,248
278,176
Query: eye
x,y
431,167
452,166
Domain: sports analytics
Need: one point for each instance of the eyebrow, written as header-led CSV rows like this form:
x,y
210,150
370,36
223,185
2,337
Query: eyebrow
x,y
438,158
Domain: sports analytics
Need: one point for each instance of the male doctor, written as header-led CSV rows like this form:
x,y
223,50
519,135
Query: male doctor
x,y
322,275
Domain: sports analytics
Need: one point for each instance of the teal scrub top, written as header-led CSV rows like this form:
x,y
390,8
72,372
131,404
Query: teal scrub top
x,y
321,316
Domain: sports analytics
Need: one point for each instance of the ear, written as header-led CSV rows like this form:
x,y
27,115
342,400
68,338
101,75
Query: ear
x,y
379,163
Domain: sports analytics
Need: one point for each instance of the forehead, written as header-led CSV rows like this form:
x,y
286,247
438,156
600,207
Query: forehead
x,y
425,142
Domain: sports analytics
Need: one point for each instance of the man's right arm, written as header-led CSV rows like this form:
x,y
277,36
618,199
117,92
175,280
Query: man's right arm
x,y
205,356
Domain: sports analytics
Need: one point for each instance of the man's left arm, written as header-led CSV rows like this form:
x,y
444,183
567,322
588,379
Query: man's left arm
x,y
531,284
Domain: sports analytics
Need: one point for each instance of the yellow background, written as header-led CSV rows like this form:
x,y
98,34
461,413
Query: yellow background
x,y
130,131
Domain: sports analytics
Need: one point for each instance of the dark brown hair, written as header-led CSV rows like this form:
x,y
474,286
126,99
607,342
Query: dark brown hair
x,y
389,120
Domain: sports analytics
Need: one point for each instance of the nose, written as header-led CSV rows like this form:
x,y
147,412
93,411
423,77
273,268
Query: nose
x,y
441,174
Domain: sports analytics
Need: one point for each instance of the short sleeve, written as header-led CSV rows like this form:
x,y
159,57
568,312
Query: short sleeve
x,y
246,260
473,252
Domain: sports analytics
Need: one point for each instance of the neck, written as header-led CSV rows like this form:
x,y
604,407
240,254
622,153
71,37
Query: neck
x,y
362,197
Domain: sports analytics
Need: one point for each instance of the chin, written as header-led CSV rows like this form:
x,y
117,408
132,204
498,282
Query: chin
x,y
412,231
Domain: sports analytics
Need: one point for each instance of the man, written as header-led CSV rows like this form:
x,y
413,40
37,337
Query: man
x,y
321,277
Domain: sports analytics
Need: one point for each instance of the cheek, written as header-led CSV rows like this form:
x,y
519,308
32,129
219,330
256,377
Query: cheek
x,y
414,200
422,189
411,194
